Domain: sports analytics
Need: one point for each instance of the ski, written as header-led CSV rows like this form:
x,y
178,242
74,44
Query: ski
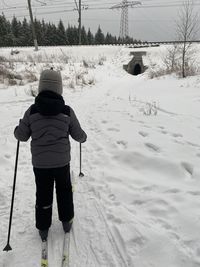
x,y
44,256
65,253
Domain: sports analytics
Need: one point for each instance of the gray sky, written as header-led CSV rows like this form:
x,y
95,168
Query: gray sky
x,y
153,20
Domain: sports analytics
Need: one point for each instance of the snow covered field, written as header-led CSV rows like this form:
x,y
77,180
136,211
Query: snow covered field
x,y
138,204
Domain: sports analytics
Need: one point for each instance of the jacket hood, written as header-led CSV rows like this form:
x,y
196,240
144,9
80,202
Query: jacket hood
x,y
49,103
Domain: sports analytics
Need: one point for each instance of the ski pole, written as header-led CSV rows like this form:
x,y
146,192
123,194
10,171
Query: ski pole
x,y
8,247
80,174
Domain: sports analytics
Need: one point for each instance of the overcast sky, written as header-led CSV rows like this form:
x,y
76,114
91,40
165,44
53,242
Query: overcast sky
x,y
153,20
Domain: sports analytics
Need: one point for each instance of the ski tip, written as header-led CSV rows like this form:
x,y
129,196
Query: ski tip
x,y
7,248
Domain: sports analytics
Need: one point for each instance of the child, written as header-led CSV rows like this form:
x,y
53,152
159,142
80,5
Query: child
x,y
49,122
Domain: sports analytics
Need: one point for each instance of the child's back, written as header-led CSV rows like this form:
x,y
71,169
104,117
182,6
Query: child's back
x,y
49,122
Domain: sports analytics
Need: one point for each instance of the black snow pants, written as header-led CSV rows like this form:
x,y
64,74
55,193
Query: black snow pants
x,y
45,179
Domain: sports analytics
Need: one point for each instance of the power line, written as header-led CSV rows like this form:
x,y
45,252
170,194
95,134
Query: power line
x,y
91,5
93,8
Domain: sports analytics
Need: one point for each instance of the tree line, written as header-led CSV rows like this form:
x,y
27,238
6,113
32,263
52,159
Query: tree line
x,y
19,33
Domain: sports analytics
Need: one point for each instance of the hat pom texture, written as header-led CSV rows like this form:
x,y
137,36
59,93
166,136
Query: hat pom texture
x,y
50,80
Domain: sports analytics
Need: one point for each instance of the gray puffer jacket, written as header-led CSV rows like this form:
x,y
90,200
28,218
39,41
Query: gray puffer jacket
x,y
49,122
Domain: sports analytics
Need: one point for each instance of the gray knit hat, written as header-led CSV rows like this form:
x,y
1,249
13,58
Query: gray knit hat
x,y
50,80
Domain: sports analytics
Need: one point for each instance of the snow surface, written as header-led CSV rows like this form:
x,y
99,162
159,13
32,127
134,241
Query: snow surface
x,y
138,203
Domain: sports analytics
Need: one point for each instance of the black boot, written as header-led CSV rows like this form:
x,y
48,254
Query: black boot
x,y
67,226
43,234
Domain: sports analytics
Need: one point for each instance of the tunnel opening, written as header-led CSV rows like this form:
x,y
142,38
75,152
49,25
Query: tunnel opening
x,y
137,69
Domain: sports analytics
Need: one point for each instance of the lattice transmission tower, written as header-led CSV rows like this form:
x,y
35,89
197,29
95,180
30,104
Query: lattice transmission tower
x,y
124,32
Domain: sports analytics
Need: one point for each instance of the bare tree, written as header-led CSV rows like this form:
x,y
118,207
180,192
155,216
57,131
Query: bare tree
x,y
187,28
171,59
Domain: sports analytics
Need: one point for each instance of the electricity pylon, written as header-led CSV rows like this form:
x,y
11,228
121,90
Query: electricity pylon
x,y
124,16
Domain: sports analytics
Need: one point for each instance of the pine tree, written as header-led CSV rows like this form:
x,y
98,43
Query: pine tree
x,y
115,40
62,38
109,39
90,37
72,35
26,36
84,39
44,37
6,37
52,35
75,35
120,40
38,31
17,33
16,28
99,37
69,34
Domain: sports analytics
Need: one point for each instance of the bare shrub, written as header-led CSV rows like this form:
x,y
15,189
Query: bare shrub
x,y
173,61
150,109
2,59
64,58
12,82
30,76
3,70
30,58
18,76
32,91
79,76
12,75
14,52
102,59
5,73
72,84
171,58
88,64
85,63
91,81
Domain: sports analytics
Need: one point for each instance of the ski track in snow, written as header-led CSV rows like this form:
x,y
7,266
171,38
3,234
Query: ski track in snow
x,y
137,204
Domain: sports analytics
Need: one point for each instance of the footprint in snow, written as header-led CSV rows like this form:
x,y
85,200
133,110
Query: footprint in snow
x,y
194,193
164,224
188,167
173,191
152,147
139,202
7,156
164,132
143,134
177,135
3,201
113,129
112,197
147,126
114,218
149,188
179,142
161,127
193,144
160,208
122,144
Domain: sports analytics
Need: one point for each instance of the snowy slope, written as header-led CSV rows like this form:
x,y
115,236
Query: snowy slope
x,y
138,204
